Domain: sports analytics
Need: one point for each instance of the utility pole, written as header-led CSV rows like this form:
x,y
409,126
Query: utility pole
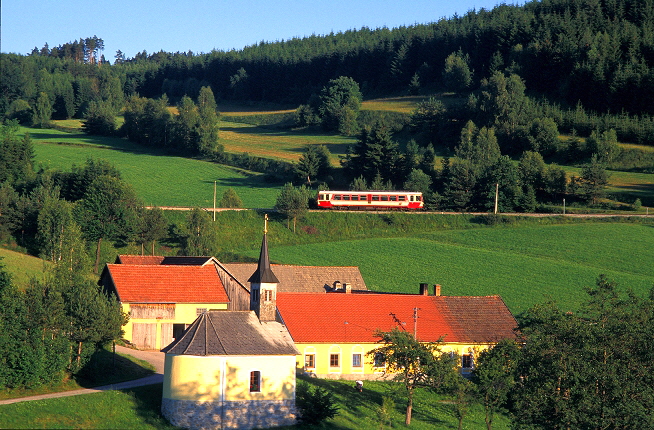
x,y
214,201
415,322
497,192
564,206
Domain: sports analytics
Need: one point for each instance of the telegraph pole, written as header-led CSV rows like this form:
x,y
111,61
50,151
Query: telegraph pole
x,y
214,201
497,192
415,322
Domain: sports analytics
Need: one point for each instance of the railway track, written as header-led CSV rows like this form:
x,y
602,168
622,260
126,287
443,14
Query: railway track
x,y
534,215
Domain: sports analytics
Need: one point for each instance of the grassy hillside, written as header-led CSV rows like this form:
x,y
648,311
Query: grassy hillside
x,y
158,179
525,265
22,267
174,181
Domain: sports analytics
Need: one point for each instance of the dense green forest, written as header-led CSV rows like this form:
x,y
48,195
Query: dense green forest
x,y
596,52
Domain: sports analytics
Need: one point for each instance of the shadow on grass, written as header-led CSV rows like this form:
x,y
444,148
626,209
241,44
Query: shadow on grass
x,y
147,404
105,368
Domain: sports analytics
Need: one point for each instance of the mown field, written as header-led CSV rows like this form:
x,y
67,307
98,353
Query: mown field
x,y
158,179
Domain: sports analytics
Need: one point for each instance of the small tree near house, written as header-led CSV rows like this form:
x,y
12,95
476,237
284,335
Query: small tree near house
x,y
414,364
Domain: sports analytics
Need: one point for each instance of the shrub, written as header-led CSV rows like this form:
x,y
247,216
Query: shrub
x,y
314,405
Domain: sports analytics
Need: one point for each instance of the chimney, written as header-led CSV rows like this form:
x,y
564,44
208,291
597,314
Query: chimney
x,y
437,290
424,289
347,287
337,285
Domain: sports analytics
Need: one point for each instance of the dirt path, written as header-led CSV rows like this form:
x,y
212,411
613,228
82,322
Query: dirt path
x,y
155,358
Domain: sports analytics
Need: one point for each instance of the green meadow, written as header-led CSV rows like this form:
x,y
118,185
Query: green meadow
x,y
525,265
158,179
22,267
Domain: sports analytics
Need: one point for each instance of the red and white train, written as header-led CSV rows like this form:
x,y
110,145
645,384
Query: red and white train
x,y
403,200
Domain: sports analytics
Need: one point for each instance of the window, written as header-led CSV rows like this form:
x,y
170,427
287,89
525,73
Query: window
x,y
255,381
356,360
267,295
375,198
401,198
200,311
334,360
337,196
255,296
393,198
346,197
466,361
384,198
380,360
310,361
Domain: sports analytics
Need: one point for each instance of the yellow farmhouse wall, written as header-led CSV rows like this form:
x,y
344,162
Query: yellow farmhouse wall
x,y
227,378
185,313
322,353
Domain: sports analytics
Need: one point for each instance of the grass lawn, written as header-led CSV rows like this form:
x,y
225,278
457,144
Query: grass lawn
x,y
102,369
138,408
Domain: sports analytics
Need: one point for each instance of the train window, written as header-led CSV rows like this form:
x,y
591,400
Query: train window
x,y
393,198
337,196
384,198
355,198
346,197
418,198
323,197
375,198
401,198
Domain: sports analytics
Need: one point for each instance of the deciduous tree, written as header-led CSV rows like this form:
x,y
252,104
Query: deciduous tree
x,y
414,363
293,202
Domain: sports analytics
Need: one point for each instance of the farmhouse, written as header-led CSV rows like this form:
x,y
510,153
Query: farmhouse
x,y
335,332
163,295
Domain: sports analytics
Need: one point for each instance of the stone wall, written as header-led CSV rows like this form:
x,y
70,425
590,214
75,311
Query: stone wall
x,y
232,415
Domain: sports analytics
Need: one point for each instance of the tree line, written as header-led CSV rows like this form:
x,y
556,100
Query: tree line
x,y
599,54
588,369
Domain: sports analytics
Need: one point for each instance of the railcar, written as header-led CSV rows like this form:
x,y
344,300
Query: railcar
x,y
362,200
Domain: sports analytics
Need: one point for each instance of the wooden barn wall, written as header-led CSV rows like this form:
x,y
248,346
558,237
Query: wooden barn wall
x,y
144,335
239,297
153,311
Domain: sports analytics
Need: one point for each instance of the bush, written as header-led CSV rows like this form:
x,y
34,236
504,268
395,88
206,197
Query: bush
x,y
314,405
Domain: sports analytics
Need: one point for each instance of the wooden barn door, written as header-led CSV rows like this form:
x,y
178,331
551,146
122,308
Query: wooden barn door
x,y
166,334
144,335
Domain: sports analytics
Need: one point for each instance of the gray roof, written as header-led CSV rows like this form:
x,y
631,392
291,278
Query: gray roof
x,y
299,279
263,273
233,333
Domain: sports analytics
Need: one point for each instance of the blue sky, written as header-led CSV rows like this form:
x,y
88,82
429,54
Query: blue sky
x,y
203,25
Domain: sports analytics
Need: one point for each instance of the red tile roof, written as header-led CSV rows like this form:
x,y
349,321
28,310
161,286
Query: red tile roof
x,y
166,284
354,318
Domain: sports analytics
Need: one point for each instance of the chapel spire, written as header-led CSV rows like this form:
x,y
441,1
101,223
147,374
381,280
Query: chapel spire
x,y
264,273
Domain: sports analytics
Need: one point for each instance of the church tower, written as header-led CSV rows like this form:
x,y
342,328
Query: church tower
x,y
263,284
